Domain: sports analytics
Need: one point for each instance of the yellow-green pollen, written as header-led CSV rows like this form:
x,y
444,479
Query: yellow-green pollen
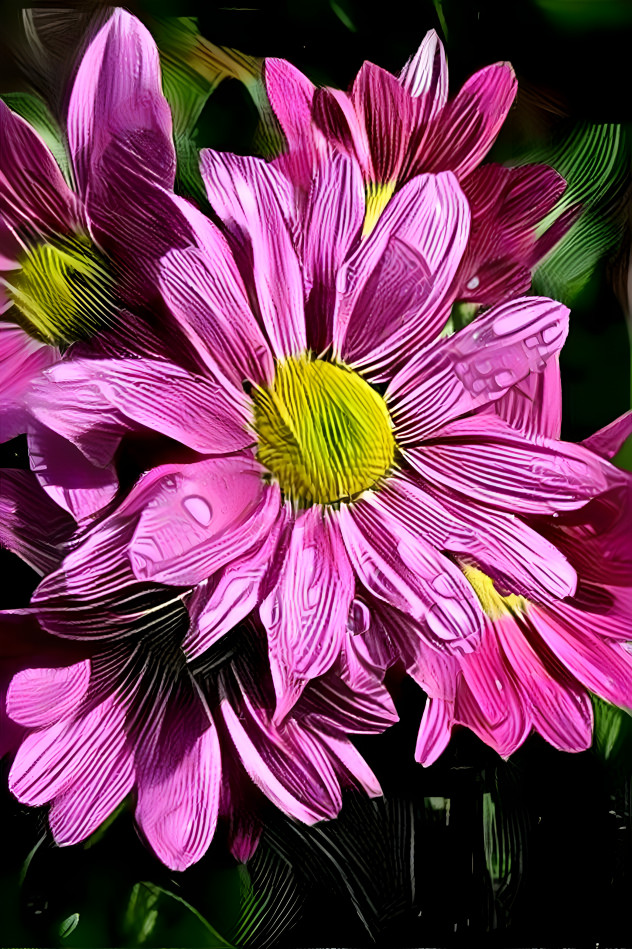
x,y
492,602
323,432
377,197
63,291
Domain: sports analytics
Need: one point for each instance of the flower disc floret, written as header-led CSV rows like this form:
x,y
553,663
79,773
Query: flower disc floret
x,y
63,291
323,431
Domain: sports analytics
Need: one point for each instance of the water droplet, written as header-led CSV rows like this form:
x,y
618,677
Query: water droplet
x,y
473,283
199,509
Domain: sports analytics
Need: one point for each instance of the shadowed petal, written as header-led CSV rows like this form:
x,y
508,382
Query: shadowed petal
x,y
33,193
117,96
290,94
392,291
22,359
31,525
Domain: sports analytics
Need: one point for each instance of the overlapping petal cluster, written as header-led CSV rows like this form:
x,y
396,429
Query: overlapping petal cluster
x,y
328,484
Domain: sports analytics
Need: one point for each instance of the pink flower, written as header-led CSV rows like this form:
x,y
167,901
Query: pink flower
x,y
397,127
336,435
71,259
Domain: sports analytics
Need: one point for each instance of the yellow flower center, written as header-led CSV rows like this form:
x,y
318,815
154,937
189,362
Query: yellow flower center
x,y
323,432
490,599
377,197
63,291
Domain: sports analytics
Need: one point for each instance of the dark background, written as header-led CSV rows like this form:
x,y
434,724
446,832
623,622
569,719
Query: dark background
x,y
474,850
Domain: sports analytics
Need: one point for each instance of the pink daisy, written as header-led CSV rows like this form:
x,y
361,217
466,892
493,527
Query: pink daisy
x,y
325,474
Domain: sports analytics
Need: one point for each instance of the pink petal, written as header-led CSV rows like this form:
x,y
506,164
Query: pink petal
x,y
469,124
560,710
253,200
286,765
54,759
604,668
392,290
37,698
79,812
351,763
362,706
201,518
33,193
305,614
178,768
333,218
405,572
534,405
91,402
503,546
206,293
117,97
290,94
67,476
609,440
31,525
477,365
336,117
233,594
434,731
22,360
390,114
488,462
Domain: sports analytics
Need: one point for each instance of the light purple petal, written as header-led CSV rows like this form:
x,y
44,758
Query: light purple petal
x,y
305,613
92,402
333,218
290,94
51,760
392,291
253,200
608,440
434,731
117,97
37,698
201,518
488,462
475,366
534,405
22,360
79,812
287,765
335,116
232,594
33,193
352,764
425,75
408,574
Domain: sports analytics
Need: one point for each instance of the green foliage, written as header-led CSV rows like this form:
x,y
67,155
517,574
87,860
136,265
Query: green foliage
x,y
612,736
31,108
157,917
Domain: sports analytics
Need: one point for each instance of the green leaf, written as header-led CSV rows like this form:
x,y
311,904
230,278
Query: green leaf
x,y
69,925
156,917
593,159
612,735
36,113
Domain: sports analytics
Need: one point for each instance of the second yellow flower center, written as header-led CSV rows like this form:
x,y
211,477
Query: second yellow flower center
x,y
323,432
492,602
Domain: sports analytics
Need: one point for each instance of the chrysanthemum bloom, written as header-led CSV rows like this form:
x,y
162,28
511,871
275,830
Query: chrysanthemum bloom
x,y
191,741
323,473
538,659
397,127
70,258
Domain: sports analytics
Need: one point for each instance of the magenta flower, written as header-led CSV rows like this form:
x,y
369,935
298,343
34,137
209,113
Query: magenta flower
x,y
69,259
317,488
398,127
126,713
